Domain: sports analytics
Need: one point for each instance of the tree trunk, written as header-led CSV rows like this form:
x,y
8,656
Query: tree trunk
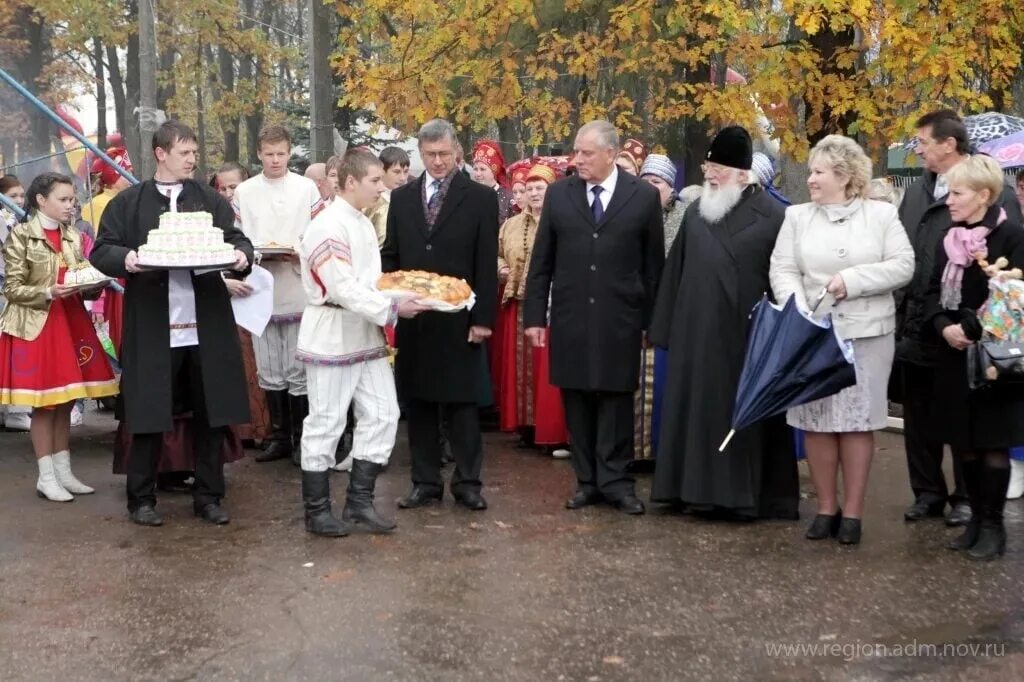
x,y
200,116
117,88
829,44
228,124
101,94
38,50
132,136
245,73
167,89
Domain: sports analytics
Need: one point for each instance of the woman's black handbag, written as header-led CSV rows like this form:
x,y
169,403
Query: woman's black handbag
x,y
995,363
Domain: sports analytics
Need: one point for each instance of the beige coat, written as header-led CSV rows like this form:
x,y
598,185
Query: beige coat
x,y
865,244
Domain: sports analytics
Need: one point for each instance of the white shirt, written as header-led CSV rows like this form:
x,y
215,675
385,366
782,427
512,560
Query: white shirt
x,y
279,210
345,312
941,187
181,296
608,186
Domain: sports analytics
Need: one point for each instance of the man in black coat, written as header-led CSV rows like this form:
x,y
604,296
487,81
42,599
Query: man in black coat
x,y
598,256
445,223
942,143
180,344
716,272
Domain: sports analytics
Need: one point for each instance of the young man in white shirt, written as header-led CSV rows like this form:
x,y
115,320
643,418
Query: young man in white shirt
x,y
276,207
341,342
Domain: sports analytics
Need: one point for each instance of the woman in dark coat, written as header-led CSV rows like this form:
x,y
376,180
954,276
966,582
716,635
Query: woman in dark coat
x,y
980,426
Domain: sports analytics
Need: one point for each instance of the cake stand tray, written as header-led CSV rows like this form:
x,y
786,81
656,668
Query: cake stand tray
x,y
215,266
88,286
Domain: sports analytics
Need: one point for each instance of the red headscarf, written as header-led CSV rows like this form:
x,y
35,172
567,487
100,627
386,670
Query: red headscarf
x,y
489,152
635,152
107,175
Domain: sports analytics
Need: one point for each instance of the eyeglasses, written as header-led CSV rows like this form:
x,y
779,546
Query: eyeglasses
x,y
708,168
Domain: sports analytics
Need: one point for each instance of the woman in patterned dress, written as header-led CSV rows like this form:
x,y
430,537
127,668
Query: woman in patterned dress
x,y
857,250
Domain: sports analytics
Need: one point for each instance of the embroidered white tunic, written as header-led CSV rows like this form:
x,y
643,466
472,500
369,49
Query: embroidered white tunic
x,y
344,317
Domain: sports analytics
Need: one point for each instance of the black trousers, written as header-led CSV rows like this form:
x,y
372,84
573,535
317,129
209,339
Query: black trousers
x,y
924,451
207,445
601,428
463,434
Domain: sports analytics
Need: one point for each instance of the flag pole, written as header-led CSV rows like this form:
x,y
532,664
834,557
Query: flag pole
x,y
725,443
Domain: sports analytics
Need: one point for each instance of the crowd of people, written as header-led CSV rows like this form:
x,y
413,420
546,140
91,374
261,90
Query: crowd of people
x,y
610,324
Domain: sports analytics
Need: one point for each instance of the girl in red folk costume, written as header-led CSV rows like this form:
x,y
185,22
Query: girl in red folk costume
x,y
49,354
489,170
528,404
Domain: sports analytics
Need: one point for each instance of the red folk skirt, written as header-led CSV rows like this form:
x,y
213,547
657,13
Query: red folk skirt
x,y
258,427
548,410
176,453
113,313
64,363
515,378
496,353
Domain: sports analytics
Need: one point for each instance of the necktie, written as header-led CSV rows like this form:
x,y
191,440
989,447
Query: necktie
x,y
941,187
596,207
432,202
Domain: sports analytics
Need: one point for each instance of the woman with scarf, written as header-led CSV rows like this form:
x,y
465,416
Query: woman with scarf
x,y
980,426
528,404
49,353
857,250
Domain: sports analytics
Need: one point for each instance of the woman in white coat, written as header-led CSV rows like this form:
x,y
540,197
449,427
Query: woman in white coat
x,y
857,250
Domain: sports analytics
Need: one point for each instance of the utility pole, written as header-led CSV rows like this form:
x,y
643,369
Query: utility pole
x,y
321,90
147,113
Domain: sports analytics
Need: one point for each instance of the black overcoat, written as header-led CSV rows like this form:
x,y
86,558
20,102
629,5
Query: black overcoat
x,y
602,279
145,347
436,362
714,275
991,418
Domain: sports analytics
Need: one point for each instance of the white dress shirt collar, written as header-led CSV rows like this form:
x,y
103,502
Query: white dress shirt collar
x,y
608,185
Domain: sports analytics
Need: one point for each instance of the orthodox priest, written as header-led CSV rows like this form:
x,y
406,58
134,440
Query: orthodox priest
x,y
716,271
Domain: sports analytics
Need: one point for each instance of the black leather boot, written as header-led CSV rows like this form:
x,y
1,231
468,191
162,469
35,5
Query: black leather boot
x,y
359,508
316,497
298,407
992,534
975,493
279,444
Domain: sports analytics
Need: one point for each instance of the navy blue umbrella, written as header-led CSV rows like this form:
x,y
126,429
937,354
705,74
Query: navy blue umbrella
x,y
791,360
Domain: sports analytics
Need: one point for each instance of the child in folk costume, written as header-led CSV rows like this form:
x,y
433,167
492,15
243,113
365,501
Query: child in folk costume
x,y
275,207
341,342
49,354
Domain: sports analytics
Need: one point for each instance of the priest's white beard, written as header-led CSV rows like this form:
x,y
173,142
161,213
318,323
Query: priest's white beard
x,y
715,203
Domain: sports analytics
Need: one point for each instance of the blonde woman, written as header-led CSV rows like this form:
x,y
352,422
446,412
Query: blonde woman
x,y
979,427
857,250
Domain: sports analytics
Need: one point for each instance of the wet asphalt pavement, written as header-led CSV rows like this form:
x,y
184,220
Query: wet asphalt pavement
x,y
523,591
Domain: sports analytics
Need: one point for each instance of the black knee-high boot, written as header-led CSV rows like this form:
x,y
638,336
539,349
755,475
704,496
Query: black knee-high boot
x,y
974,483
298,406
992,534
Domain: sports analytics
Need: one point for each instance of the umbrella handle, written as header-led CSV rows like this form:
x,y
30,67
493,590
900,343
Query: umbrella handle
x,y
821,297
725,443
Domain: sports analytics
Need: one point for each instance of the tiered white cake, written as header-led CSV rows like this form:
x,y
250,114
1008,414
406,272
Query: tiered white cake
x,y
186,239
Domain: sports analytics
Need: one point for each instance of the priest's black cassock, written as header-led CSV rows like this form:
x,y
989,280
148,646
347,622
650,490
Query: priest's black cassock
x,y
713,277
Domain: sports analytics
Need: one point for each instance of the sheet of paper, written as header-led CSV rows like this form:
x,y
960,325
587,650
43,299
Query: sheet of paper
x,y
253,312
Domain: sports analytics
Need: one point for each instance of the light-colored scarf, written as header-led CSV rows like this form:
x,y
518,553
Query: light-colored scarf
x,y
963,245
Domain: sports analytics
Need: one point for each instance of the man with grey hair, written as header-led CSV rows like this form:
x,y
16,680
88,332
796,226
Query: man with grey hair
x,y
317,172
443,222
597,257
715,273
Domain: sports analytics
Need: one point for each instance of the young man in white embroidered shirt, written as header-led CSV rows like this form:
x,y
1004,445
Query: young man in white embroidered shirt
x,y
274,208
341,343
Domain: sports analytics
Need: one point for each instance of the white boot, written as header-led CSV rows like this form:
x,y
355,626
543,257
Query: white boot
x,y
67,480
47,486
1016,488
344,465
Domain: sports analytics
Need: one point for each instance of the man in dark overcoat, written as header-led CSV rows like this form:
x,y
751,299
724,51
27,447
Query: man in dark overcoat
x,y
444,223
597,257
180,344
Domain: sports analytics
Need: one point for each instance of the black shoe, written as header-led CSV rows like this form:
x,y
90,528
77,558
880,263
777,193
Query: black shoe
x,y
629,504
849,532
212,513
959,515
470,499
583,499
991,542
146,516
420,496
279,444
923,509
316,498
824,526
967,539
359,509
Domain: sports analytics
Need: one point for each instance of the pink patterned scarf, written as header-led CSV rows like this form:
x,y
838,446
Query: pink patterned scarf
x,y
963,246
